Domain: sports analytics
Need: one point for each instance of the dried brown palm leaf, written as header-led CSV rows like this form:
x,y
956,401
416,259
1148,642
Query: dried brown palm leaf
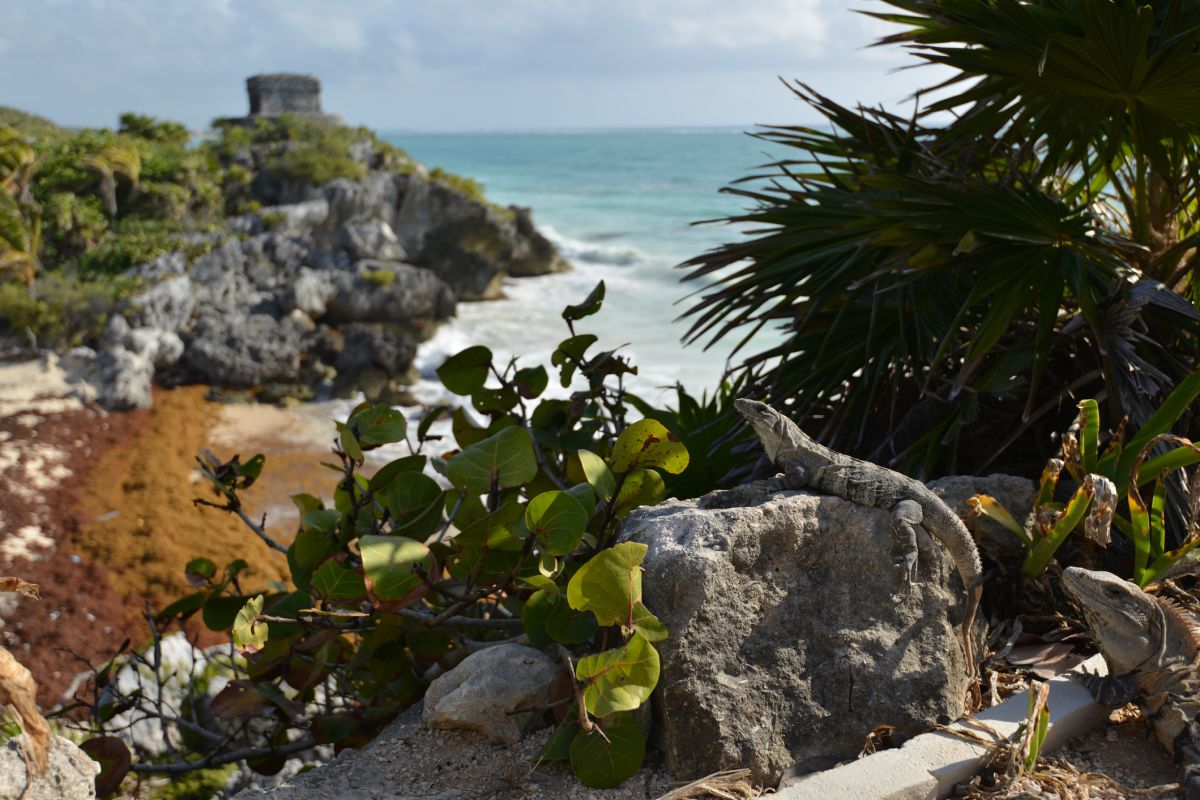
x,y
730,785
17,693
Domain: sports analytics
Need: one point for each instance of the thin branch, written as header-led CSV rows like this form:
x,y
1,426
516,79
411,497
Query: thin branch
x,y
251,524
221,759
463,623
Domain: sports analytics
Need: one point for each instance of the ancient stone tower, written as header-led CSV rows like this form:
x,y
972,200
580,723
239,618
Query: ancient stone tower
x,y
284,93
276,93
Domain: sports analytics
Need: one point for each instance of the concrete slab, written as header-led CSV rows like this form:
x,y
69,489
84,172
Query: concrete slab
x,y
929,766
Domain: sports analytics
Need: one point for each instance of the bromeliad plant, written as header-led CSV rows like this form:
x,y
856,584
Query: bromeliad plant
x,y
510,530
1104,476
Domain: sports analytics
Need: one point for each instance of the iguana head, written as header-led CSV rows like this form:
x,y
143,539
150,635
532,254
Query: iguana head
x,y
776,432
1127,622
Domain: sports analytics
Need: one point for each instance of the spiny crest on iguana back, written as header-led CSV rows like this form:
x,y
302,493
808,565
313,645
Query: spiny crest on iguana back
x,y
1135,630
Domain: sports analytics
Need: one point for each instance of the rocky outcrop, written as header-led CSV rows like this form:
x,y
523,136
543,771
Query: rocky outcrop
x,y
485,690
70,773
792,633
328,288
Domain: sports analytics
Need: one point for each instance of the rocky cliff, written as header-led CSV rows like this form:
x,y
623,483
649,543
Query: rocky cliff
x,y
329,288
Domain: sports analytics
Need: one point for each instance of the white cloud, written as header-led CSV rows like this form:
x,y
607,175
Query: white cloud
x,y
735,26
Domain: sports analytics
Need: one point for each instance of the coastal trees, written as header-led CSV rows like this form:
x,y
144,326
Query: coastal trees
x,y
955,279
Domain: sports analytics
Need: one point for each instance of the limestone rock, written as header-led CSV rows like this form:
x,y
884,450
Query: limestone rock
x,y
167,305
293,219
539,257
481,692
310,292
123,379
375,346
241,351
162,348
791,636
369,237
385,291
70,773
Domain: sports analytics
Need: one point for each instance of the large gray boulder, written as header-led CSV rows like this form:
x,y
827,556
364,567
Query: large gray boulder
x,y
166,305
123,380
369,237
539,256
240,350
70,773
388,348
792,633
482,693
310,292
385,291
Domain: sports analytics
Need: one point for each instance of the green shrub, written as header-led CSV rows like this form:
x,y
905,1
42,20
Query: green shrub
x,y
59,310
317,163
137,241
153,130
383,591
29,124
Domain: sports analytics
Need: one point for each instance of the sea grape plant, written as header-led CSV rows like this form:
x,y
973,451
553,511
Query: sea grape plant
x,y
508,530
1106,475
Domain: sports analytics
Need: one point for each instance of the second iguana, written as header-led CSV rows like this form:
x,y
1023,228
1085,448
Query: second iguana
x,y
1152,648
809,465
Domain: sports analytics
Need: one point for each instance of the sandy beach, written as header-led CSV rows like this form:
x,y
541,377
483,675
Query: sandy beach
x,y
96,508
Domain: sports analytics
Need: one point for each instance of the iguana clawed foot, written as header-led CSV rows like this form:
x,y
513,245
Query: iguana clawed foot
x,y
906,516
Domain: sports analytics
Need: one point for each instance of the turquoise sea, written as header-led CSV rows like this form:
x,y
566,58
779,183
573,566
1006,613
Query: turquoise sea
x,y
620,206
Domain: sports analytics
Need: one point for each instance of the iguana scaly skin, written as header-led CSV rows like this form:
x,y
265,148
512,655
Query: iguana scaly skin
x,y
1151,646
809,465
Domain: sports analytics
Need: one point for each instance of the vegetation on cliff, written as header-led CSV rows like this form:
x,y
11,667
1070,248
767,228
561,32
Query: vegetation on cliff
x,y
81,207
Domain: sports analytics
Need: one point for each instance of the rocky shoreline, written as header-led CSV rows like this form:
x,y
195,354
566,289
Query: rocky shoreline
x,y
325,294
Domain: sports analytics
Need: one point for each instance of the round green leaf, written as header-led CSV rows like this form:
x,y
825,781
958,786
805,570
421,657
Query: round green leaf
x,y
508,456
620,679
647,443
642,487
414,500
393,469
378,425
606,760
597,473
388,564
609,584
531,382
249,635
335,582
548,619
465,372
558,520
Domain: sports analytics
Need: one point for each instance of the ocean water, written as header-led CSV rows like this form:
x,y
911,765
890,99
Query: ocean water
x,y
620,206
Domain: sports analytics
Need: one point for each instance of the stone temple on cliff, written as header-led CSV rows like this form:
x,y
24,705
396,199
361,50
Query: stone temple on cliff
x,y
277,93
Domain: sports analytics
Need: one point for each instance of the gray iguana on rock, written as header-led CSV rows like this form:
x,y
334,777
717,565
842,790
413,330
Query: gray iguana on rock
x,y
1151,646
809,465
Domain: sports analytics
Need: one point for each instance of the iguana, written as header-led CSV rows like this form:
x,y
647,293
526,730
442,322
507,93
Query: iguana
x,y
1152,647
809,465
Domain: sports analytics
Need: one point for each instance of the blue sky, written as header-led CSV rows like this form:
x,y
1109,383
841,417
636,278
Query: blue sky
x,y
449,64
